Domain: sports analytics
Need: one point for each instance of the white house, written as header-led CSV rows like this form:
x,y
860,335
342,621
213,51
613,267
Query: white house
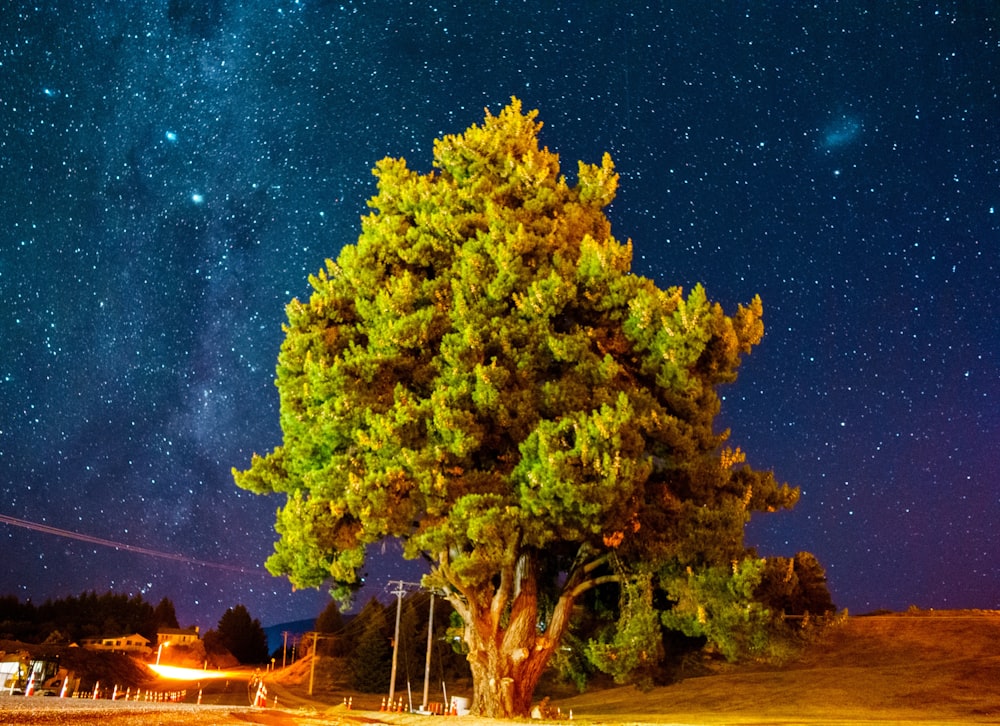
x,y
133,643
177,636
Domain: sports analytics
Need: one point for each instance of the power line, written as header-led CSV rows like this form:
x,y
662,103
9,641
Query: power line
x,y
48,529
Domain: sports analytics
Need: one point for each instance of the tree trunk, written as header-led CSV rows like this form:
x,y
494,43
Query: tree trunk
x,y
507,653
504,679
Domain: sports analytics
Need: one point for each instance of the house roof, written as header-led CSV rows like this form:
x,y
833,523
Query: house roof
x,y
131,636
177,631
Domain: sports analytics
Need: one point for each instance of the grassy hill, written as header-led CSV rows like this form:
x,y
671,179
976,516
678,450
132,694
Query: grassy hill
x,y
925,667
914,668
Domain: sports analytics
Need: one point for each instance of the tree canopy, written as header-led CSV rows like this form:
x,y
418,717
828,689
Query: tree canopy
x,y
242,635
482,376
86,615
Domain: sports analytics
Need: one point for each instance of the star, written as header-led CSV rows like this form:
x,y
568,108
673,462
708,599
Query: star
x,y
226,153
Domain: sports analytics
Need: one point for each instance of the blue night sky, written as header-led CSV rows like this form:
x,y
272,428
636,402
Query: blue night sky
x,y
172,170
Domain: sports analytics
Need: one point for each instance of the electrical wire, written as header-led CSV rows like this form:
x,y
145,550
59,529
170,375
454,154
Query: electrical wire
x,y
90,539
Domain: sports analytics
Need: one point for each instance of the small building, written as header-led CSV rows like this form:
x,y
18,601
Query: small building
x,y
177,636
133,643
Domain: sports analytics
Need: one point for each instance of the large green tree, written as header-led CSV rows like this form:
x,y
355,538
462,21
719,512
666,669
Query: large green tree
x,y
483,377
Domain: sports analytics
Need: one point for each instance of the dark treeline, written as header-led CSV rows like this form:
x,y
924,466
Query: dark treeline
x,y
73,618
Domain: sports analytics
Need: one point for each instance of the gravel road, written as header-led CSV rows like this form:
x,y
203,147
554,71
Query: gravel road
x,y
21,711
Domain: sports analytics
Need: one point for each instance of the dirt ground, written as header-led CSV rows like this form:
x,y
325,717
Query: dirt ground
x,y
937,668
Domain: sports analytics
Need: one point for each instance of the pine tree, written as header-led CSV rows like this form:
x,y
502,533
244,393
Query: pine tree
x,y
243,636
483,377
331,623
370,662
165,614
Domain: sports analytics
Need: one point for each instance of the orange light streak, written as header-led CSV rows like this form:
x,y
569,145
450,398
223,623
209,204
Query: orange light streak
x,y
177,673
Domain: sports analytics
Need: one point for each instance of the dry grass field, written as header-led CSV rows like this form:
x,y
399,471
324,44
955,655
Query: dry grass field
x,y
937,668
926,668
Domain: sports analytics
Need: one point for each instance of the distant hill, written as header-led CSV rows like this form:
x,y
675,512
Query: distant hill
x,y
295,630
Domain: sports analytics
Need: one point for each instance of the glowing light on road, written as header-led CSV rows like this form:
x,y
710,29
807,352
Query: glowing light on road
x,y
176,673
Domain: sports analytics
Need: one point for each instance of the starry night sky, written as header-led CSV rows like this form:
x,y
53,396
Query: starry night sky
x,y
172,170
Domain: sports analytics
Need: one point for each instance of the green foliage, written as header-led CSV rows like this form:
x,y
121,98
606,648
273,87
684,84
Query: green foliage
x,y
481,373
718,603
571,664
242,636
77,617
331,623
455,632
634,649
330,620
370,661
795,586
483,377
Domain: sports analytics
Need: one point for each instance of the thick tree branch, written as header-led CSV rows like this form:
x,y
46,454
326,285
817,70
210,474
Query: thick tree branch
x,y
592,583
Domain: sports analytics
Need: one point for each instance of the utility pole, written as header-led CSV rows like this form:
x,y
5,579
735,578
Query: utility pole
x,y
315,655
398,592
427,660
284,648
312,666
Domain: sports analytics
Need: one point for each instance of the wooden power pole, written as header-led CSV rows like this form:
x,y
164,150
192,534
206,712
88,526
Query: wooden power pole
x,y
398,592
